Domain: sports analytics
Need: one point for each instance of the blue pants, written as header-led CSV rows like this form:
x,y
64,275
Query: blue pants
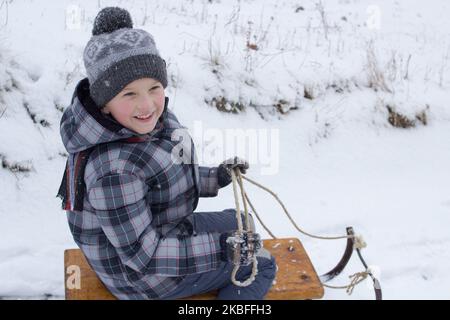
x,y
220,279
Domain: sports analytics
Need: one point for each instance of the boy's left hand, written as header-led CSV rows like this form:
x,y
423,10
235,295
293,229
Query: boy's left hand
x,y
224,170
248,244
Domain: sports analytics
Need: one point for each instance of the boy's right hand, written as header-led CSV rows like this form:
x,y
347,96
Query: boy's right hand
x,y
224,170
249,243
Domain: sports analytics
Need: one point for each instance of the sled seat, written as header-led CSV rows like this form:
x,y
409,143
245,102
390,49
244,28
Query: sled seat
x,y
296,278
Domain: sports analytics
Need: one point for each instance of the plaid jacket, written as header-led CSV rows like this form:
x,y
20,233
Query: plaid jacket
x,y
130,206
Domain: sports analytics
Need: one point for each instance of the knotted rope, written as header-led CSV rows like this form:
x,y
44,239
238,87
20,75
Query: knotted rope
x,y
237,177
356,279
234,173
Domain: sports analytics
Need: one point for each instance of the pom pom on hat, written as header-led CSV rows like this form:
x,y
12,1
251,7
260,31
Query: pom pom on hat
x,y
111,19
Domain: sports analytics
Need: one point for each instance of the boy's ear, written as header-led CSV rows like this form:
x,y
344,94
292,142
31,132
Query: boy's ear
x,y
105,110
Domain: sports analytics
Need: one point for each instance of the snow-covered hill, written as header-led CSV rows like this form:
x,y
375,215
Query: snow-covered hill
x,y
329,84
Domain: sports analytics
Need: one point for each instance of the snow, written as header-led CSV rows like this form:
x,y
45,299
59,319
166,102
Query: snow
x,y
335,160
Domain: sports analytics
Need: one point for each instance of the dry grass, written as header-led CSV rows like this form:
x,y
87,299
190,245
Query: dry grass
x,y
224,105
399,120
15,166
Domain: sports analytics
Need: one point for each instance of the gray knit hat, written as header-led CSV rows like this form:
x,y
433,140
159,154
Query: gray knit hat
x,y
117,54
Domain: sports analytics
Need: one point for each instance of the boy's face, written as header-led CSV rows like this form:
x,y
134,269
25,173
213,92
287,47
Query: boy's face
x,y
138,106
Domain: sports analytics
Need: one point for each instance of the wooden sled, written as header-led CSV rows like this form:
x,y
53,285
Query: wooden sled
x,y
296,278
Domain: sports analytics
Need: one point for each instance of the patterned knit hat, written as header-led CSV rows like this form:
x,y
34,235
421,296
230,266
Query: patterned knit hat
x,y
117,54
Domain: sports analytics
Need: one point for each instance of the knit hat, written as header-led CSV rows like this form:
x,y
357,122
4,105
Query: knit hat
x,y
117,54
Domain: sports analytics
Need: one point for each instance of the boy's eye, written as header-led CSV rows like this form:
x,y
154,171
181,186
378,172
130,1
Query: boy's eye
x,y
132,93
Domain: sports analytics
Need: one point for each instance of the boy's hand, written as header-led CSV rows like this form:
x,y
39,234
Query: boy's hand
x,y
248,244
224,170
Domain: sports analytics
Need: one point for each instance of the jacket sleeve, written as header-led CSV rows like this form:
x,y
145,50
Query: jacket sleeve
x,y
125,218
209,185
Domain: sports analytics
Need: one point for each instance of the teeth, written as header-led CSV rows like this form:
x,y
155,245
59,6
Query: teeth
x,y
145,116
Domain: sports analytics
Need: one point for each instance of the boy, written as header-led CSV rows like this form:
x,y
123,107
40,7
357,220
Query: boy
x,y
130,206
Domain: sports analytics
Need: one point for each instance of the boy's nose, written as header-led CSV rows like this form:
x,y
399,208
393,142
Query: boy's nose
x,y
145,103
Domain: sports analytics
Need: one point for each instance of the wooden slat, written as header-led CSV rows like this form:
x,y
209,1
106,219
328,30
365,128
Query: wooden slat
x,y
295,279
89,287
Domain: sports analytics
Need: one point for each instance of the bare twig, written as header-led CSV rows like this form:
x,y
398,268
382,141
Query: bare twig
x,y
5,2
443,68
2,112
407,68
234,15
375,76
321,9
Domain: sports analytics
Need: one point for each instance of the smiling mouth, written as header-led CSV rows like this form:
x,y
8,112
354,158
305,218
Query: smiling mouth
x,y
145,116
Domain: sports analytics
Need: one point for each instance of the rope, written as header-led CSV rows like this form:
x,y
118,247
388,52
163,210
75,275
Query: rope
x,y
290,218
240,231
357,278
236,201
241,186
259,219
236,178
359,242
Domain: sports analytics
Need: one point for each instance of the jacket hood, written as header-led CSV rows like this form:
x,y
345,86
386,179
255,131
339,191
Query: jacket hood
x,y
83,125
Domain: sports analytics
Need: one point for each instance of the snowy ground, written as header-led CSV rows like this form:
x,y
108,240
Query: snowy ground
x,y
332,66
